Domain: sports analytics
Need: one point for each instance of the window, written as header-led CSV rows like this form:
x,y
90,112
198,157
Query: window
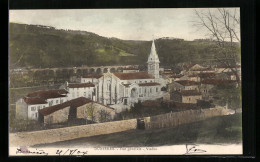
x,y
140,90
145,90
36,115
51,102
57,101
145,81
77,94
156,89
43,106
151,90
150,81
61,100
140,81
32,108
84,94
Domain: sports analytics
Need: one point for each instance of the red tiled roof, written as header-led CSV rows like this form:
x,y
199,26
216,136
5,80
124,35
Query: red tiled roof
x,y
148,84
34,100
186,82
225,66
80,85
97,76
202,69
206,75
73,103
176,76
131,76
46,94
190,93
217,81
193,75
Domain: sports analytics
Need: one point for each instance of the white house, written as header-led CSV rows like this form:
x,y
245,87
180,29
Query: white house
x,y
27,107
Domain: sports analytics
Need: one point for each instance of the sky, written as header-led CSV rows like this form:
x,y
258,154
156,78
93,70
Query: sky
x,y
127,24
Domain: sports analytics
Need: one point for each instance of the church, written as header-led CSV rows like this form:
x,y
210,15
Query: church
x,y
121,90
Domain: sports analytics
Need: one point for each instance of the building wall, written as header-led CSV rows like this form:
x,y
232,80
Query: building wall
x,y
182,117
80,92
56,101
191,99
33,113
82,111
57,116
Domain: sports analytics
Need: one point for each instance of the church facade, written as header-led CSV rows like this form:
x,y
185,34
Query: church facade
x,y
120,90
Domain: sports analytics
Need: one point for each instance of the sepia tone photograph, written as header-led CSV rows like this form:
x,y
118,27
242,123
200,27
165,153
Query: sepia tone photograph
x,y
125,82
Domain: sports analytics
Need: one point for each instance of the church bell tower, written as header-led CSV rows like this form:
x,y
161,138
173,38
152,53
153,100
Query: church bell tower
x,y
153,62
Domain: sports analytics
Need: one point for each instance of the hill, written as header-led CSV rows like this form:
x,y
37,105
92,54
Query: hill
x,y
35,46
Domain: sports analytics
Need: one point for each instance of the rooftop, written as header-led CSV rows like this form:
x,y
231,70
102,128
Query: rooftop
x,y
132,76
80,85
34,100
148,84
46,94
73,103
186,82
217,81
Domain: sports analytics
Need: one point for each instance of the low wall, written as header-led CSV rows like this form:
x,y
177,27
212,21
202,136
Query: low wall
x,y
182,117
68,133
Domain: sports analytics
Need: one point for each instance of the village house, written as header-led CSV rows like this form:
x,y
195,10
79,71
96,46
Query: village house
x,y
79,108
77,90
181,85
208,84
186,96
27,107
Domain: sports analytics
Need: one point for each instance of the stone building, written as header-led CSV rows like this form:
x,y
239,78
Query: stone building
x,y
27,107
127,87
186,96
79,108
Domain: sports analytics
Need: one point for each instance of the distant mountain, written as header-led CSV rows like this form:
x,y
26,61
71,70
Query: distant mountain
x,y
35,46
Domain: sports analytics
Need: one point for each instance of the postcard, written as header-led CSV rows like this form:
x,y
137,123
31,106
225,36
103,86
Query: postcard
x,y
125,82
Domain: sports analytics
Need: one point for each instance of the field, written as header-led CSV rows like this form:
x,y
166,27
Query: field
x,y
216,130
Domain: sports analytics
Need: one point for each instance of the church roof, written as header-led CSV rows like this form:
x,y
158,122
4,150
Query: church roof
x,y
80,85
132,76
153,57
149,84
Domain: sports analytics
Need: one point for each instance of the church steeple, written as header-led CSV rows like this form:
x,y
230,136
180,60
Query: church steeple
x,y
153,57
153,62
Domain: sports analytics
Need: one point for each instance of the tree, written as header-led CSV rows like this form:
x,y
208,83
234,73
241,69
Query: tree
x,y
90,112
223,27
104,116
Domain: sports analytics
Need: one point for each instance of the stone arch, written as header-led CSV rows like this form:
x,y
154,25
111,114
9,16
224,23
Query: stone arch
x,y
92,70
98,71
105,70
112,70
79,72
120,69
85,72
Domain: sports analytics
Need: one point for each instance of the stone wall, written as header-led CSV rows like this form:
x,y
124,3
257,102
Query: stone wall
x,y
69,133
182,117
